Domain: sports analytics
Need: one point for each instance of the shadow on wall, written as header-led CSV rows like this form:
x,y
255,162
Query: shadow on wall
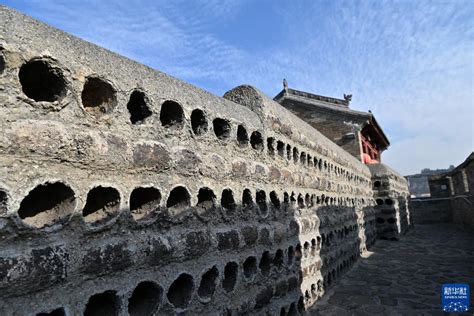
x,y
269,254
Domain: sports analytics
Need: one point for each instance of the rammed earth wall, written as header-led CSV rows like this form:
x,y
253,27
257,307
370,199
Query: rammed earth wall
x,y
126,191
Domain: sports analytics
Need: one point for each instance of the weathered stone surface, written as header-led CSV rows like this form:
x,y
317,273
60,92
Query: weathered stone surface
x,y
159,251
281,288
265,237
152,155
264,297
228,240
404,276
197,243
108,259
42,268
250,235
239,168
220,197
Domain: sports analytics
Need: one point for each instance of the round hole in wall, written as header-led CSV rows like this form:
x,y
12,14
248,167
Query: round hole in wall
x,y
41,81
181,290
301,306
208,284
291,255
292,311
298,251
138,107
3,202
250,267
199,122
261,199
278,259
275,200
242,135
102,204
106,304
247,200
145,299
303,158
2,61
143,202
281,148
172,114
230,276
271,146
179,198
227,200
301,201
295,154
98,96
256,140
222,128
306,246
265,263
206,198
47,204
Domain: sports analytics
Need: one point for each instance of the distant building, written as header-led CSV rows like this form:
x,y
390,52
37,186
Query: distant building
x,y
451,196
418,183
356,132
428,171
458,181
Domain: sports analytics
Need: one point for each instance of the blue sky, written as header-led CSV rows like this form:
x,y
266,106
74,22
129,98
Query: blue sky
x,y
410,62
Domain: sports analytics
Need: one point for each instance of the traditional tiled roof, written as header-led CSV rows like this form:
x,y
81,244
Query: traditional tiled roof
x,y
330,104
311,96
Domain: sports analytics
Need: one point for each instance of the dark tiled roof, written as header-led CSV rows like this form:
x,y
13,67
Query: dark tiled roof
x,y
311,96
331,104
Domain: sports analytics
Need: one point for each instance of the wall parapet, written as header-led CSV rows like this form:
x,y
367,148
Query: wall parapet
x,y
127,191
391,196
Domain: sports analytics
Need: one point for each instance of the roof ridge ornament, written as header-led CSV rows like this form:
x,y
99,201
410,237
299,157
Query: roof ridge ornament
x,y
348,97
285,85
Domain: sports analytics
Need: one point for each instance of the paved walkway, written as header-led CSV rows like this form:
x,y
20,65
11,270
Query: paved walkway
x,y
405,277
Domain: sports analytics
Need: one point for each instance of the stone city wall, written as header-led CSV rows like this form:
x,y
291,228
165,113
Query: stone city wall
x,y
462,199
391,195
430,211
451,199
124,191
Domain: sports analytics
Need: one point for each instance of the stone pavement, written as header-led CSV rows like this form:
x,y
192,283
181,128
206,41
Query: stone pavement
x,y
405,277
